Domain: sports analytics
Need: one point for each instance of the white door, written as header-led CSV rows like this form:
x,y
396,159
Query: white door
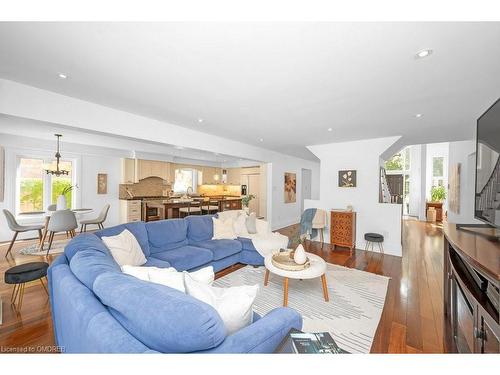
x,y
306,187
254,188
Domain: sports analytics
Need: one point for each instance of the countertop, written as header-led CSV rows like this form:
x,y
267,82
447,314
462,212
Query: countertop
x,y
171,200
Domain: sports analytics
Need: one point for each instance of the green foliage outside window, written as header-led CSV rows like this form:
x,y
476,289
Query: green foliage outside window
x,y
58,188
31,194
395,163
437,166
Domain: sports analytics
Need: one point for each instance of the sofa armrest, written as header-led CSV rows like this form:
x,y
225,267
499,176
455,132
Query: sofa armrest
x,y
262,336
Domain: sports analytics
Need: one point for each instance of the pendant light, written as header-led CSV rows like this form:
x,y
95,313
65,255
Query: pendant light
x,y
57,172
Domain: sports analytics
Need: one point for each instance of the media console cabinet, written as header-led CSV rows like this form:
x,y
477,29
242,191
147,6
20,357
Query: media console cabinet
x,y
471,291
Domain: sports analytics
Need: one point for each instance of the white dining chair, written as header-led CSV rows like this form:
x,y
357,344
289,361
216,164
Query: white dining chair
x,y
17,228
61,221
99,220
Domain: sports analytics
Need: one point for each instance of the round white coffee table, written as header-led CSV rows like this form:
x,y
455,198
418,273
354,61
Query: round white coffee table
x,y
316,269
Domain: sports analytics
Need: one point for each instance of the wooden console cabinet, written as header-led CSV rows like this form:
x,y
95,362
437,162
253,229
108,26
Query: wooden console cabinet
x,y
343,229
471,285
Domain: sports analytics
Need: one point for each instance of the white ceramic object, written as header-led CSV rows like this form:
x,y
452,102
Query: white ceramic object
x,y
61,203
300,255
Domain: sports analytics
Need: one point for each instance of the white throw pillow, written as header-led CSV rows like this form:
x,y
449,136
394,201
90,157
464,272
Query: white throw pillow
x,y
223,229
230,214
125,249
139,272
262,226
169,276
239,225
234,305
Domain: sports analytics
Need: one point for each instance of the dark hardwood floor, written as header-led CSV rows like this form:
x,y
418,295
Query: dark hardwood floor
x,y
411,322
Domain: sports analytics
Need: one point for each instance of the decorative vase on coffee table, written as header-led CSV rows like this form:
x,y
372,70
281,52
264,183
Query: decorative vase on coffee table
x,y
299,255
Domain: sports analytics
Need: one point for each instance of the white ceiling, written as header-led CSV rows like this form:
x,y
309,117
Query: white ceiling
x,y
283,82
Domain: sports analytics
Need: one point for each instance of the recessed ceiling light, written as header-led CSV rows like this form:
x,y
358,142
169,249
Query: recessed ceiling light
x,y
62,76
330,129
418,115
423,53
200,120
261,140
179,147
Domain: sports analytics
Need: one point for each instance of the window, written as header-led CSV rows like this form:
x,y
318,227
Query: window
x,y
437,171
184,179
37,189
395,163
31,185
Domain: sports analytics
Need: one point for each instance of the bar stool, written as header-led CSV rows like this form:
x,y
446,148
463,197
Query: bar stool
x,y
191,208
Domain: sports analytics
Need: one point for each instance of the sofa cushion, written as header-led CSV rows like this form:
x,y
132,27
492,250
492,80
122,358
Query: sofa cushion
x,y
219,248
162,318
166,234
155,262
200,228
186,257
246,243
138,229
88,264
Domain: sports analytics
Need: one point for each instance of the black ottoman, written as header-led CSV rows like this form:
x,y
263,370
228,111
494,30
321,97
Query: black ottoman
x,y
371,238
20,275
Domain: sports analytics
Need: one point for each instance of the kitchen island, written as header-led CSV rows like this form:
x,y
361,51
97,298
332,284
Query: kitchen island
x,y
159,209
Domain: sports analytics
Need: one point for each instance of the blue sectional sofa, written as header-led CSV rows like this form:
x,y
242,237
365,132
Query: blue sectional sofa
x,y
98,309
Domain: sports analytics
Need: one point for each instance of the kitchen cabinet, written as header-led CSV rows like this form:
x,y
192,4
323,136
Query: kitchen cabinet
x,y
129,175
130,210
233,176
153,168
208,175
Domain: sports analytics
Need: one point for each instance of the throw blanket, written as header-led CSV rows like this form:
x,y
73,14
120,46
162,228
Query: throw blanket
x,y
306,222
267,243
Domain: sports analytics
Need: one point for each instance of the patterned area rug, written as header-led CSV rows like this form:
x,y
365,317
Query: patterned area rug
x,y
351,316
56,248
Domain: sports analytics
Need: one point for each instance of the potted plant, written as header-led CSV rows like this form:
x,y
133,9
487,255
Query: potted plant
x,y
61,203
438,194
245,201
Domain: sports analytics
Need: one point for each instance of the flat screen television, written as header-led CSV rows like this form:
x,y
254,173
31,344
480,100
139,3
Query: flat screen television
x,y
487,203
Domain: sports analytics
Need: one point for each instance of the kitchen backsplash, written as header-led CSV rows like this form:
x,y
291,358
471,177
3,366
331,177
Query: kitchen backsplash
x,y
210,190
151,186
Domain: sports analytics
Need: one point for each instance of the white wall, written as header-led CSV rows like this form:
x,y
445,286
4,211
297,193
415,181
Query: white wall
x,y
464,153
415,180
372,216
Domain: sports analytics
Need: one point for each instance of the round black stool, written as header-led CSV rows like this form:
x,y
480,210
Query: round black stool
x,y
20,275
371,238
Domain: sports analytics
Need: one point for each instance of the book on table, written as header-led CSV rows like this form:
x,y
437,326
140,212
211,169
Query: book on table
x,y
309,343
